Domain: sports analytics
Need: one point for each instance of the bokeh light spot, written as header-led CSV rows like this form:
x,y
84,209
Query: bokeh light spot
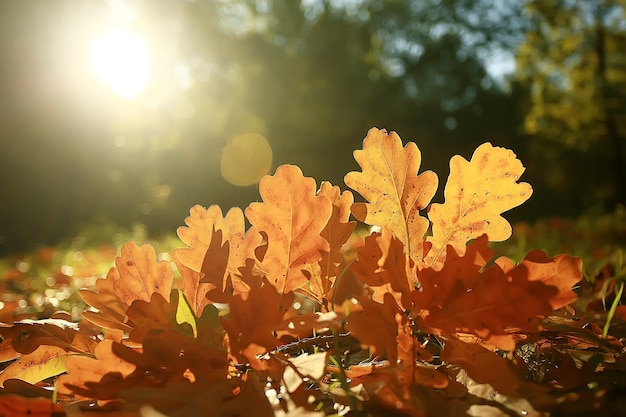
x,y
246,159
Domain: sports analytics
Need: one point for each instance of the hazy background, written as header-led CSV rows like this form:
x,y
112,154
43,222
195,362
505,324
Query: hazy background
x,y
125,112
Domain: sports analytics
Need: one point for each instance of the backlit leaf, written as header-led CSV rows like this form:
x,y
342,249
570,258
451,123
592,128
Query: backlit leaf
x,y
84,371
141,275
184,314
337,232
374,324
291,218
218,248
136,276
253,320
562,272
43,363
381,264
486,303
25,336
476,193
392,187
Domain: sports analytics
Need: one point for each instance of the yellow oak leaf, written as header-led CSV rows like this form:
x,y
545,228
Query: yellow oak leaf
x,y
392,187
476,193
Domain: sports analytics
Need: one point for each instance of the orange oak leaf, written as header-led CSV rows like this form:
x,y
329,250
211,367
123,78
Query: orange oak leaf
x,y
18,406
172,356
476,193
291,219
25,336
197,284
487,304
84,372
111,311
136,276
373,324
435,285
337,232
141,275
252,322
562,272
218,248
156,316
381,264
483,366
166,360
392,187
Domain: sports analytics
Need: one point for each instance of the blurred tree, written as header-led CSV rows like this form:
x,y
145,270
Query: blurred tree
x,y
573,63
311,76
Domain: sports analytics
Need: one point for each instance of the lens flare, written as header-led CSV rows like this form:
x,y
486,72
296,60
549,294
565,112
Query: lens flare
x,y
246,159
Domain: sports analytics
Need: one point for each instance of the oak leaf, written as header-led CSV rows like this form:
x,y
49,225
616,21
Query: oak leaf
x,y
155,317
44,362
483,366
381,264
218,247
141,275
196,285
476,193
373,324
252,322
389,181
291,218
561,271
336,232
436,286
137,276
101,378
17,406
488,303
24,337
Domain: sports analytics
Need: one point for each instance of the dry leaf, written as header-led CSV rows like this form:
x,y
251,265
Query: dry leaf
x,y
381,264
336,232
291,219
253,320
476,193
373,324
561,271
392,187
137,276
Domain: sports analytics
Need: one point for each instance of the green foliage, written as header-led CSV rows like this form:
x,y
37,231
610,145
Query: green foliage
x,y
572,62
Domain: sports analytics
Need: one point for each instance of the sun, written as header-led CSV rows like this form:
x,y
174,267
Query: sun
x,y
120,58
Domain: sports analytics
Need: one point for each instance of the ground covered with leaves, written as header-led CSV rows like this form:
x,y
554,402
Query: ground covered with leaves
x,y
391,305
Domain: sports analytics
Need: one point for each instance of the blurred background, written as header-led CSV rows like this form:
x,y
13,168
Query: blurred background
x,y
126,112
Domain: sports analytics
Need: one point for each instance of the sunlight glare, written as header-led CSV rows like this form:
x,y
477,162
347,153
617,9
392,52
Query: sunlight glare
x,y
120,58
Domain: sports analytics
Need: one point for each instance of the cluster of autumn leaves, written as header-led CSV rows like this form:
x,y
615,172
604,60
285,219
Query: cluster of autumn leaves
x,y
207,342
